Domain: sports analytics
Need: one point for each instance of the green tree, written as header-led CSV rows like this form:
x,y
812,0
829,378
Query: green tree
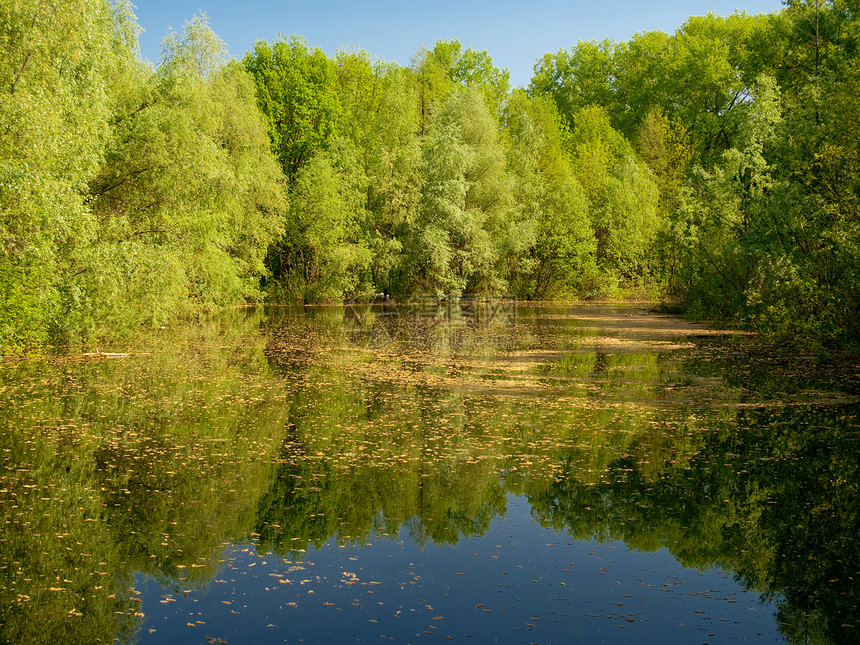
x,y
473,67
321,259
196,51
700,76
51,141
189,197
562,261
642,66
622,201
148,199
577,78
724,212
711,75
663,145
395,185
433,84
467,221
381,120
297,91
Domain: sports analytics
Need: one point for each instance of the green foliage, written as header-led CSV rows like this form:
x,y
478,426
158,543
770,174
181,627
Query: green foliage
x,y
756,215
189,197
50,148
577,78
622,200
381,120
296,90
700,76
805,286
704,79
154,197
713,165
319,258
474,68
197,52
433,84
663,145
468,216
562,261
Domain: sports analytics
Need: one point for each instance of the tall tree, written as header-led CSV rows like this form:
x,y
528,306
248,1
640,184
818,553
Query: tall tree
x,y
297,91
433,84
474,67
577,78
467,206
663,145
622,200
562,261
382,111
51,141
320,258
189,197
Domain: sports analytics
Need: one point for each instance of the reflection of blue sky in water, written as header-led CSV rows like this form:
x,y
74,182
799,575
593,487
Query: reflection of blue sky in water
x,y
517,583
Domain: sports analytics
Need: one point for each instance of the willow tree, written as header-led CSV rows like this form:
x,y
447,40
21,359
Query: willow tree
x,y
321,253
394,174
54,53
468,221
380,124
128,196
562,261
189,197
622,200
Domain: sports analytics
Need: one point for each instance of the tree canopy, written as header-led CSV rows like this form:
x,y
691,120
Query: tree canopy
x,y
715,167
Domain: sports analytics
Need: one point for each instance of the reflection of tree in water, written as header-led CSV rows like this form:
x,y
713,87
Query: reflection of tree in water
x,y
431,326
118,468
150,466
601,363
755,490
369,460
767,495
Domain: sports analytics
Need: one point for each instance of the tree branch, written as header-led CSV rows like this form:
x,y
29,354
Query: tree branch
x,y
110,187
29,51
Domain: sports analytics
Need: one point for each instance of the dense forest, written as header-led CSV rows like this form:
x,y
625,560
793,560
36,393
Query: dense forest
x,y
716,168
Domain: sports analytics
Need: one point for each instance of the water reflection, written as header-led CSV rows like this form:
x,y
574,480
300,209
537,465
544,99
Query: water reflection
x,y
295,429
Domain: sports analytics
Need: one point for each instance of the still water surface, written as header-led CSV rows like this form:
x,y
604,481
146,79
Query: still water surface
x,y
477,472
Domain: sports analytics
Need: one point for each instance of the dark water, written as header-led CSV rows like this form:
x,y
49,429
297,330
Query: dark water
x,y
476,472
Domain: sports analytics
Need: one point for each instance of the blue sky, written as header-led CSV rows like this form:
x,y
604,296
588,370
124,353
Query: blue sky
x,y
515,34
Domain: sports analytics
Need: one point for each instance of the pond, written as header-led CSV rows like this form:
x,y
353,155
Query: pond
x,y
462,471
